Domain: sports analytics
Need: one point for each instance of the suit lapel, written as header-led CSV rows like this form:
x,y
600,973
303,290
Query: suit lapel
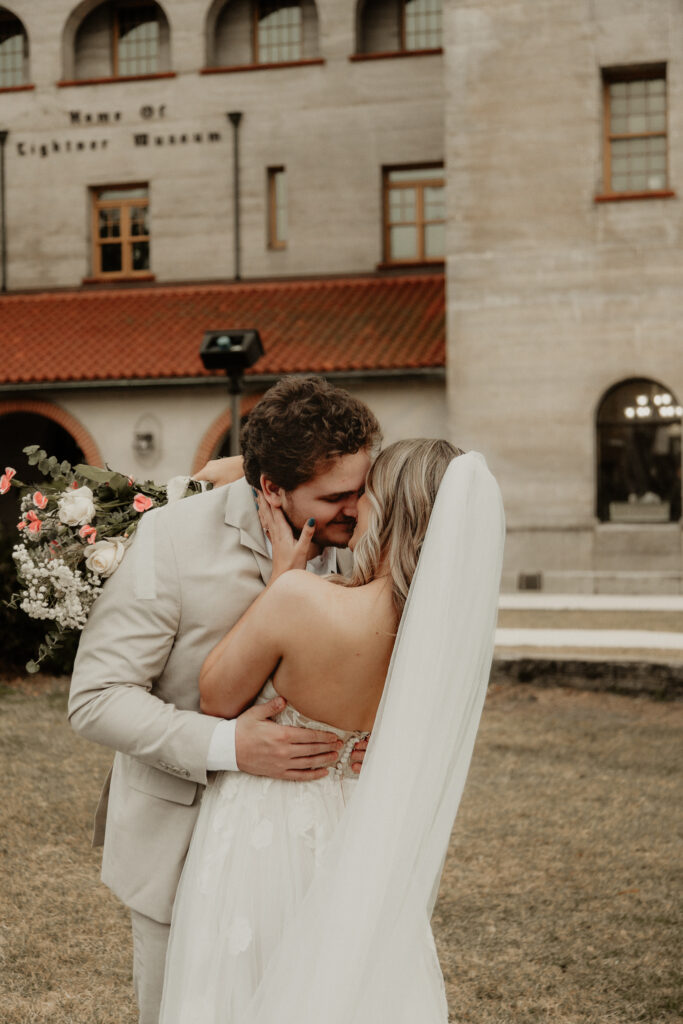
x,y
241,512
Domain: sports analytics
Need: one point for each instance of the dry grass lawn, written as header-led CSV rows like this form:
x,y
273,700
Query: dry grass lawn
x,y
560,902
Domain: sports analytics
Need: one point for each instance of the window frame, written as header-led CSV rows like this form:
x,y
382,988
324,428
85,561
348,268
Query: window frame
x,y
403,33
610,425
127,5
126,239
631,73
419,222
255,39
275,243
8,17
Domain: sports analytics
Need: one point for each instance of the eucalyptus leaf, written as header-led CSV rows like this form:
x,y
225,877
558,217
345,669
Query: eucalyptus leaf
x,y
97,475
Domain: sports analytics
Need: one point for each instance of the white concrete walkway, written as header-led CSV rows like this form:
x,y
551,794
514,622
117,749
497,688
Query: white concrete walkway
x,y
648,627
524,601
578,638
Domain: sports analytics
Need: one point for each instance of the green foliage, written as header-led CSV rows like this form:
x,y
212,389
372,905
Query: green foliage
x,y
98,476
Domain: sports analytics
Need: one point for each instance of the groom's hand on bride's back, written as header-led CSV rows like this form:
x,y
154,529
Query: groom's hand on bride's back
x,y
282,751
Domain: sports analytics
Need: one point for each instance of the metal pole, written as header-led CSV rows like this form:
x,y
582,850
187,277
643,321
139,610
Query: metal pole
x,y
235,117
3,225
235,410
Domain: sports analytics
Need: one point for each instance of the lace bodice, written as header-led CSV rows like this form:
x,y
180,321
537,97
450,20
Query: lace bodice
x,y
290,716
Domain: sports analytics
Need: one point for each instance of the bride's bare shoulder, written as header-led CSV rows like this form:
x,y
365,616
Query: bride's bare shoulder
x,y
301,585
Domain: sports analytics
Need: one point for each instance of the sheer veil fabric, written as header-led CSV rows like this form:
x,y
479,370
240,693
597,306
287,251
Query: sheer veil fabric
x,y
349,954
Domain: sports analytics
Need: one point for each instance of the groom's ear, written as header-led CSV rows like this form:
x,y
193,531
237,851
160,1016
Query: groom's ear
x,y
271,492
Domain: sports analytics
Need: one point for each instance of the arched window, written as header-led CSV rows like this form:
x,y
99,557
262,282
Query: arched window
x,y
261,32
394,26
13,51
121,39
639,454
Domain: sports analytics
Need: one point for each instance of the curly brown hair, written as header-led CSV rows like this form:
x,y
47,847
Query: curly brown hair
x,y
300,425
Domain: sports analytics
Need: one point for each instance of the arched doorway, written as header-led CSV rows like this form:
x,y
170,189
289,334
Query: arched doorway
x,y
27,422
216,441
639,453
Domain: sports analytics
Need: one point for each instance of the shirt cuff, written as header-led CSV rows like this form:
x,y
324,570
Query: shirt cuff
x,y
222,756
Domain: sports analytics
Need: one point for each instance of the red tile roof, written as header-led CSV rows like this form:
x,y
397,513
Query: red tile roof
x,y
321,326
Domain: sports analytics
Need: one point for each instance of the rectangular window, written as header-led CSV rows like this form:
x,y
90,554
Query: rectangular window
x,y
421,25
136,41
277,208
414,214
277,31
635,148
120,232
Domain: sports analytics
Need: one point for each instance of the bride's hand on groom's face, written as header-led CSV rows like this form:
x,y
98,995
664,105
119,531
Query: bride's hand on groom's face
x,y
282,751
288,552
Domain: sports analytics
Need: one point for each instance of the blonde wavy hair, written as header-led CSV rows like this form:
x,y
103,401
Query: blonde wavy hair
x,y
401,486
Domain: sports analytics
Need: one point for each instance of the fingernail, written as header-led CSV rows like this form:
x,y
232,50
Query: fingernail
x,y
311,522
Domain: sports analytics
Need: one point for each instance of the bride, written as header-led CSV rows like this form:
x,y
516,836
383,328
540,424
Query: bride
x,y
310,901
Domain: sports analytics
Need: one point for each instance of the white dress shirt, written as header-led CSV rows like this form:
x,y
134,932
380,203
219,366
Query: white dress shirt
x,y
221,756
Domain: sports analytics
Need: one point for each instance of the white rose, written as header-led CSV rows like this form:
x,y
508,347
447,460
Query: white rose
x,y
104,556
76,507
176,487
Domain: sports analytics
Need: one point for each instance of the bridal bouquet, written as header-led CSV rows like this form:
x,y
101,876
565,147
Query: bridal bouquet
x,y
75,528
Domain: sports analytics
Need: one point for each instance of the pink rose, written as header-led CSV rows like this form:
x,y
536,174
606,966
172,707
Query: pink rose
x,y
21,525
88,533
34,523
39,500
142,503
6,478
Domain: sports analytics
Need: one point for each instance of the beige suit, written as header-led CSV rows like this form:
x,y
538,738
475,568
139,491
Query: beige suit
x,y
194,567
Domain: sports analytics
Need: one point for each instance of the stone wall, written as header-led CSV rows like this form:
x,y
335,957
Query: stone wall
x,y
553,298
333,126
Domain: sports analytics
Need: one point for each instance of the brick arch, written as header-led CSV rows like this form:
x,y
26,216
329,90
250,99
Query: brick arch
x,y
81,436
218,428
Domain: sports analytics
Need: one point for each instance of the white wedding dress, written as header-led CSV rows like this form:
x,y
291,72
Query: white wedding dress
x,y
256,848
308,902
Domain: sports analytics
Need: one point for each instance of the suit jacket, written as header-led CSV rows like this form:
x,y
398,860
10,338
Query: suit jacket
x,y
193,569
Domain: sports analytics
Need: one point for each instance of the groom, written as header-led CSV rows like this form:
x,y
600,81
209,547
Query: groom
x,y
194,568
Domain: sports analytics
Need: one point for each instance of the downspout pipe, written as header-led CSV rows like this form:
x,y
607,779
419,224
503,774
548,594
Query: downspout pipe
x,y
235,117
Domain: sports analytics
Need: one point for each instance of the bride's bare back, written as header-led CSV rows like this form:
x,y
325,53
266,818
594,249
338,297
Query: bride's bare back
x,y
338,649
326,647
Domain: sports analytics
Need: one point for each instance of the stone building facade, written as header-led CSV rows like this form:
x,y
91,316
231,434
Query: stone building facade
x,y
120,174
552,131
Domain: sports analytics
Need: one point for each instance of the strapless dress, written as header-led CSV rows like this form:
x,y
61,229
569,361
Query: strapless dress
x,y
256,847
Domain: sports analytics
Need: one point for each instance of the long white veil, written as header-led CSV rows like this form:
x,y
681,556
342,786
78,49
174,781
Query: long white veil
x,y
354,952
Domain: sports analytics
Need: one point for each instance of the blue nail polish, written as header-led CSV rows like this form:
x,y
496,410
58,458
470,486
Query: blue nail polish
x,y
311,522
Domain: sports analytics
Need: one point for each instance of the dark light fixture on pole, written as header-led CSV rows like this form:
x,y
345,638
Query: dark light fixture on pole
x,y
233,351
235,117
3,220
